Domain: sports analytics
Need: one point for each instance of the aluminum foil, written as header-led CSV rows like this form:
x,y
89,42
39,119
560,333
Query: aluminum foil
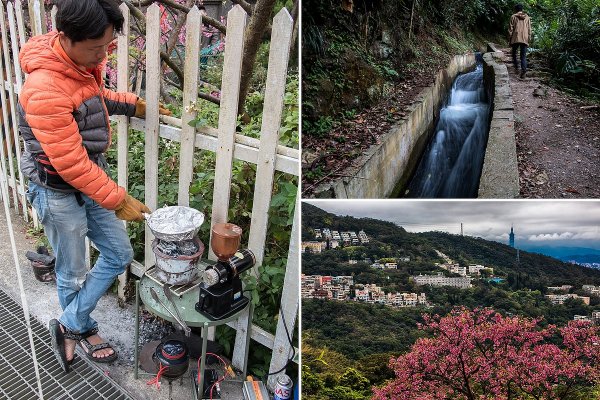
x,y
175,223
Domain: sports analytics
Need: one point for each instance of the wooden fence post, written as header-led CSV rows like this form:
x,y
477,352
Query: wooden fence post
x,y
152,123
288,311
122,121
190,96
230,90
13,112
265,167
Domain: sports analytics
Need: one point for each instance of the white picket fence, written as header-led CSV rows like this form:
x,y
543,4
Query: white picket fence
x,y
223,140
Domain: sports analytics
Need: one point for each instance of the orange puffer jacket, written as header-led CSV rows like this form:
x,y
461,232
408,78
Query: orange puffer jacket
x,y
63,119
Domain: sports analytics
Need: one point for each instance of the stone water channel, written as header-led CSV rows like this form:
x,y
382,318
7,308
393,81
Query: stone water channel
x,y
457,140
451,164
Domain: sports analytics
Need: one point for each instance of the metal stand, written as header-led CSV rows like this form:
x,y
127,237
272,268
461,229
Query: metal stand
x,y
186,306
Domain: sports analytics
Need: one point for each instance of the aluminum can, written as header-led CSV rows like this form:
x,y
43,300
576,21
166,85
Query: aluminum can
x,y
283,388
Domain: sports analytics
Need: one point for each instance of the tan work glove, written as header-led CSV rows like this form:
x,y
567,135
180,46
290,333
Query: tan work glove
x,y
131,209
140,108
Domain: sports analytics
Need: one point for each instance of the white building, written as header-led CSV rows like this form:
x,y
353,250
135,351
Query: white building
x,y
591,289
457,269
391,265
475,269
318,234
345,238
581,318
441,280
563,288
561,298
336,235
363,237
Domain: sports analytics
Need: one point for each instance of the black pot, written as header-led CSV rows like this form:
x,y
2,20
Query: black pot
x,y
172,354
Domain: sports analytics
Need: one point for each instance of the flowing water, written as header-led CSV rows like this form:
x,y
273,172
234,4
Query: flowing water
x,y
451,165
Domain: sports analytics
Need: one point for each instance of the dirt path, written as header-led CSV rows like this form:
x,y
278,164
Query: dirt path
x,y
558,142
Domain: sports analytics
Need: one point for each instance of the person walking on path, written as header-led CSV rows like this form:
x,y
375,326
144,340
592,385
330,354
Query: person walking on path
x,y
519,32
63,116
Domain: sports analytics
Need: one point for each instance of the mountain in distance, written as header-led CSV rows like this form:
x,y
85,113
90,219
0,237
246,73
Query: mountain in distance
x,y
535,271
578,254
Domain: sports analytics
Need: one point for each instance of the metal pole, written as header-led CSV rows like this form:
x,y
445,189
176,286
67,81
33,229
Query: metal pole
x,y
137,327
4,186
202,361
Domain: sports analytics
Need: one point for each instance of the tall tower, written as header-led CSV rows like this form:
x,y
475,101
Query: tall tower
x,y
511,236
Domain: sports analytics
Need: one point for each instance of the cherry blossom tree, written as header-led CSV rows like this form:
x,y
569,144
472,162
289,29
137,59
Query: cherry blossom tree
x,y
481,354
173,16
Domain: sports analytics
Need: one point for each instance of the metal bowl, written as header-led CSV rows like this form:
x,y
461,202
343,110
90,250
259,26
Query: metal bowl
x,y
179,270
175,223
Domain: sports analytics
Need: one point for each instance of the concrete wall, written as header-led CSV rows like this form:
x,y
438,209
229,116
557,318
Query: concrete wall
x,y
500,174
383,170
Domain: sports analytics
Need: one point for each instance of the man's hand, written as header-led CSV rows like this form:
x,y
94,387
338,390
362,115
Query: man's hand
x,y
140,109
131,209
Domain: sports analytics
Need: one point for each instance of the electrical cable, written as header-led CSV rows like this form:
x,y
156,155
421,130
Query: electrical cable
x,y
291,344
156,379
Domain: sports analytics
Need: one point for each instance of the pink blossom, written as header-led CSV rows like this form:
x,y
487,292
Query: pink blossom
x,y
481,354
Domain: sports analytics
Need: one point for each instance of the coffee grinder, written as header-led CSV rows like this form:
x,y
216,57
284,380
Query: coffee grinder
x,y
221,291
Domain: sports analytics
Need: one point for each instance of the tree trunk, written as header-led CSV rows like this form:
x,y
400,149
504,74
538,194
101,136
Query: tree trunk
x,y
258,24
412,14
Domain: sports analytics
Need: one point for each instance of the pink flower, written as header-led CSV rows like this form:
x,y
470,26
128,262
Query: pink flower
x,y
482,354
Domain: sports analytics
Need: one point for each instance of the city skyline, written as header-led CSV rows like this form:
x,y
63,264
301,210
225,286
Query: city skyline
x,y
536,224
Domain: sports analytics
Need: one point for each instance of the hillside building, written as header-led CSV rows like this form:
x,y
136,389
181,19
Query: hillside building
x,y
561,298
441,280
313,247
363,237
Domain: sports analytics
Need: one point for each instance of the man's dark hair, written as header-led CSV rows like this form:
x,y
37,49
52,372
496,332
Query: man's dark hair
x,y
519,7
87,19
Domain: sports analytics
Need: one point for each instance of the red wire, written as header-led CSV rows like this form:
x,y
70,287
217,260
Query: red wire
x,y
156,379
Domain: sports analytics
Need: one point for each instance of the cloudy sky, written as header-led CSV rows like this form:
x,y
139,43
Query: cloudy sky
x,y
536,223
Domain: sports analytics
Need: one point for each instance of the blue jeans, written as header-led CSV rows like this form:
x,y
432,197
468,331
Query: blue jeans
x,y
66,224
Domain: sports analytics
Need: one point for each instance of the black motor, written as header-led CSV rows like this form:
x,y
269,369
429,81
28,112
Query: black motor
x,y
221,292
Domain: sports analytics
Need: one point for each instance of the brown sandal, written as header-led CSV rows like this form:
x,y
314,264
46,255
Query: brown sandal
x,y
89,349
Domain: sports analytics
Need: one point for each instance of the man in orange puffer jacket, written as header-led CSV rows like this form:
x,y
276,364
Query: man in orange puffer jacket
x,y
64,113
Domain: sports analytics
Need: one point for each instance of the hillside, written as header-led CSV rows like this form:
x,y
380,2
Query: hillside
x,y
534,271
356,329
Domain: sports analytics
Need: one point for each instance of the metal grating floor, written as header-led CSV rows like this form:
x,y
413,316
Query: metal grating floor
x,y
17,375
